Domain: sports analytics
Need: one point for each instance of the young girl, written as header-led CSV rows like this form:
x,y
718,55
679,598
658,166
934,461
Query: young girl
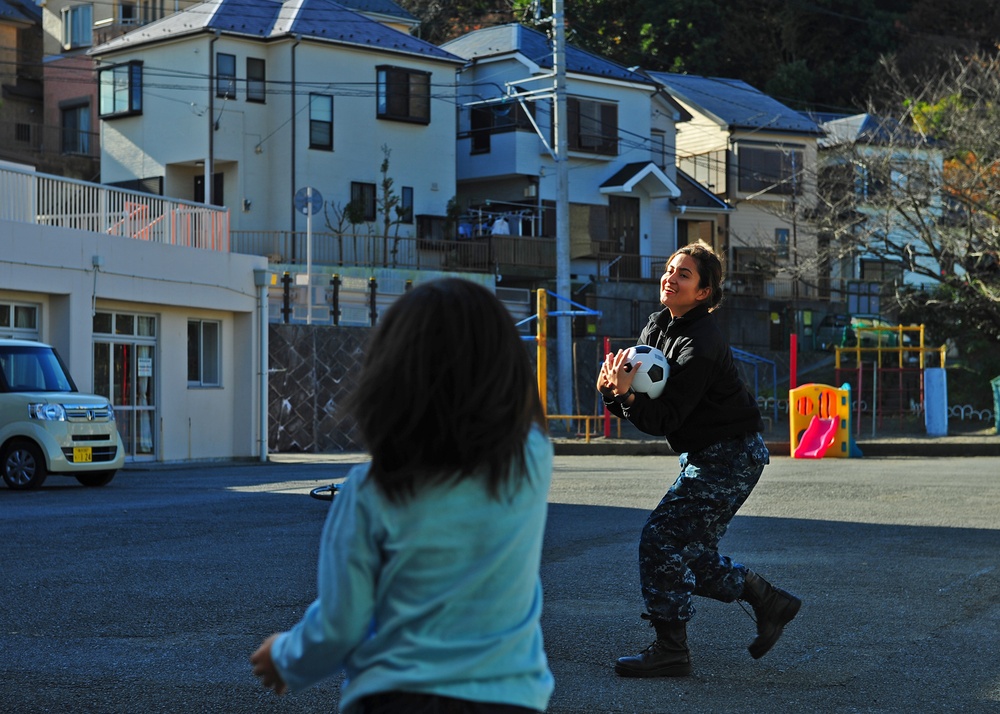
x,y
429,589
710,418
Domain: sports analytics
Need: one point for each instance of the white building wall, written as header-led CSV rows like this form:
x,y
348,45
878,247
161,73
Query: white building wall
x,y
52,267
253,142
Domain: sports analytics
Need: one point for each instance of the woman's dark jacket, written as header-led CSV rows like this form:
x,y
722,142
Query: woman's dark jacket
x,y
704,400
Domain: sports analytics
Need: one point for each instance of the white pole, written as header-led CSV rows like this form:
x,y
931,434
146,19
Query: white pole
x,y
262,278
309,255
564,323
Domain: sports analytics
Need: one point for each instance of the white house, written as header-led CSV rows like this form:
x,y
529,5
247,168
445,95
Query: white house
x,y
620,134
173,334
270,98
890,178
71,27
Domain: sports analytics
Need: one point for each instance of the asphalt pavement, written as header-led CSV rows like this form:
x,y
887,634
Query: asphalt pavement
x,y
150,594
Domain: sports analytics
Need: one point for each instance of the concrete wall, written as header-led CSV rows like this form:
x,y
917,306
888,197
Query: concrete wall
x,y
53,268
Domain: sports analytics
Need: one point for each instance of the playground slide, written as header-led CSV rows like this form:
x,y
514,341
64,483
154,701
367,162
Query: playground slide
x,y
816,439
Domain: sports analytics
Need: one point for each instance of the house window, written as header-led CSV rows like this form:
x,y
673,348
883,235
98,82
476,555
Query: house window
x,y
776,171
499,118
363,196
152,10
18,320
75,122
881,271
403,94
482,129
593,126
406,205
128,14
22,132
321,122
781,242
204,351
78,26
256,78
225,75
120,90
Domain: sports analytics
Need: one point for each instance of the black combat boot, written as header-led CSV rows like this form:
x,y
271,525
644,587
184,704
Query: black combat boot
x,y
667,657
773,607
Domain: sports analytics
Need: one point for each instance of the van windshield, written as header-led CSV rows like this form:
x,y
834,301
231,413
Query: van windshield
x,y
33,369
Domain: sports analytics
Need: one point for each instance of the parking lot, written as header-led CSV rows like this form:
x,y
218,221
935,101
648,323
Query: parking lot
x,y
148,595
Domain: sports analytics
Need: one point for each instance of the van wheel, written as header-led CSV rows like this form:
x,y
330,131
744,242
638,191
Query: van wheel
x,y
23,465
98,478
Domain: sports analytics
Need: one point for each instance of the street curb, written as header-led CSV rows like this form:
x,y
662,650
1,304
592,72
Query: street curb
x,y
922,448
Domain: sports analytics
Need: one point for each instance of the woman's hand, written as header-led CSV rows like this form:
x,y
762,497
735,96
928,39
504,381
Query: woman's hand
x,y
604,385
264,669
616,375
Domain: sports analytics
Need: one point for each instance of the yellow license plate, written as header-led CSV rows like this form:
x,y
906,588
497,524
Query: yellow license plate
x,y
82,454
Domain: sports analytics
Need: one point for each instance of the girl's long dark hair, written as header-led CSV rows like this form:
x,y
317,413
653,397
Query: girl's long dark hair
x,y
446,391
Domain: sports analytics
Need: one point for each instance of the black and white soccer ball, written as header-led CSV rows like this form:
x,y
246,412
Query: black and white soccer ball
x,y
652,375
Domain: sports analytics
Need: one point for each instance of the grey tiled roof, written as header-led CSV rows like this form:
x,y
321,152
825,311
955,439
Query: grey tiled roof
x,y
534,45
694,195
313,19
736,104
869,129
20,12
381,7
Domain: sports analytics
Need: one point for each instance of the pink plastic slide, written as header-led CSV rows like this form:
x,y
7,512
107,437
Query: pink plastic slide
x,y
817,438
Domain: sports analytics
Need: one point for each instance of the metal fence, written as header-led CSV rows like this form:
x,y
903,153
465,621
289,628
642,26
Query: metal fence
x,y
43,199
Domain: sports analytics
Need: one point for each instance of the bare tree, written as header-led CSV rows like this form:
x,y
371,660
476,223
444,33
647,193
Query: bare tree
x,y
919,188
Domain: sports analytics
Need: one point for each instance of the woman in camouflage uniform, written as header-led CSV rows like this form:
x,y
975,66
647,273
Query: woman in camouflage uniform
x,y
710,418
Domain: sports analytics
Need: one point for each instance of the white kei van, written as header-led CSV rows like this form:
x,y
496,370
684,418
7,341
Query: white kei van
x,y
47,426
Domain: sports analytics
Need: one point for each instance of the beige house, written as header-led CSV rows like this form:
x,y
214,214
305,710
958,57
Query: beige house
x,y
757,155
760,158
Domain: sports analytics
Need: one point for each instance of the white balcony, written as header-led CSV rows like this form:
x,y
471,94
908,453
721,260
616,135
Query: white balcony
x,y
30,197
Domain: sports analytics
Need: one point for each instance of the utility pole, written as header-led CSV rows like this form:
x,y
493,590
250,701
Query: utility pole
x,y
564,324
559,151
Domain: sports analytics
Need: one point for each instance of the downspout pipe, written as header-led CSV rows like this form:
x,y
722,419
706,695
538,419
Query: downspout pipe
x,y
261,280
210,159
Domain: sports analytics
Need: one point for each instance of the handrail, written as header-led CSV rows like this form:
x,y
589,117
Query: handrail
x,y
27,196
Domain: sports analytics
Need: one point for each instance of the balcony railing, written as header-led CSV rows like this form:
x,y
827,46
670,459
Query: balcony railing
x,y
363,250
107,30
42,199
515,255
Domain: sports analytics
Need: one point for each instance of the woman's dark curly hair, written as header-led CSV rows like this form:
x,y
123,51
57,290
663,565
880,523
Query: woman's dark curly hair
x,y
446,391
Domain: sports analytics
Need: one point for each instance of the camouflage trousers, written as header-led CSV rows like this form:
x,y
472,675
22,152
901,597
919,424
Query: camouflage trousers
x,y
678,549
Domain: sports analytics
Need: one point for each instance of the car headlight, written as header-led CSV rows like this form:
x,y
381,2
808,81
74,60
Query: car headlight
x,y
47,412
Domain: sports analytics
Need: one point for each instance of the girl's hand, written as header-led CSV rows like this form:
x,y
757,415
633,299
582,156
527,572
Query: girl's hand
x,y
264,669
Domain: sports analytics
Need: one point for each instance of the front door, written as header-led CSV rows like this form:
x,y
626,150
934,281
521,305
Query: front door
x,y
124,372
623,232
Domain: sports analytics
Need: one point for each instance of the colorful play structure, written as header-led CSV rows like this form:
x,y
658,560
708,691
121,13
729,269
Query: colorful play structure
x,y
820,422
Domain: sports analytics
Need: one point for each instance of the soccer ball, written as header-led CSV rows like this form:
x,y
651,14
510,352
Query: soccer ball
x,y
652,375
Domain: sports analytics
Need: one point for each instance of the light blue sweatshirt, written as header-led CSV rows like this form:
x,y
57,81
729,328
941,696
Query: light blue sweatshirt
x,y
439,594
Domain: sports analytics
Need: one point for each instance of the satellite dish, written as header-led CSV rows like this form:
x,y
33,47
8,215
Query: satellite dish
x,y
308,201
